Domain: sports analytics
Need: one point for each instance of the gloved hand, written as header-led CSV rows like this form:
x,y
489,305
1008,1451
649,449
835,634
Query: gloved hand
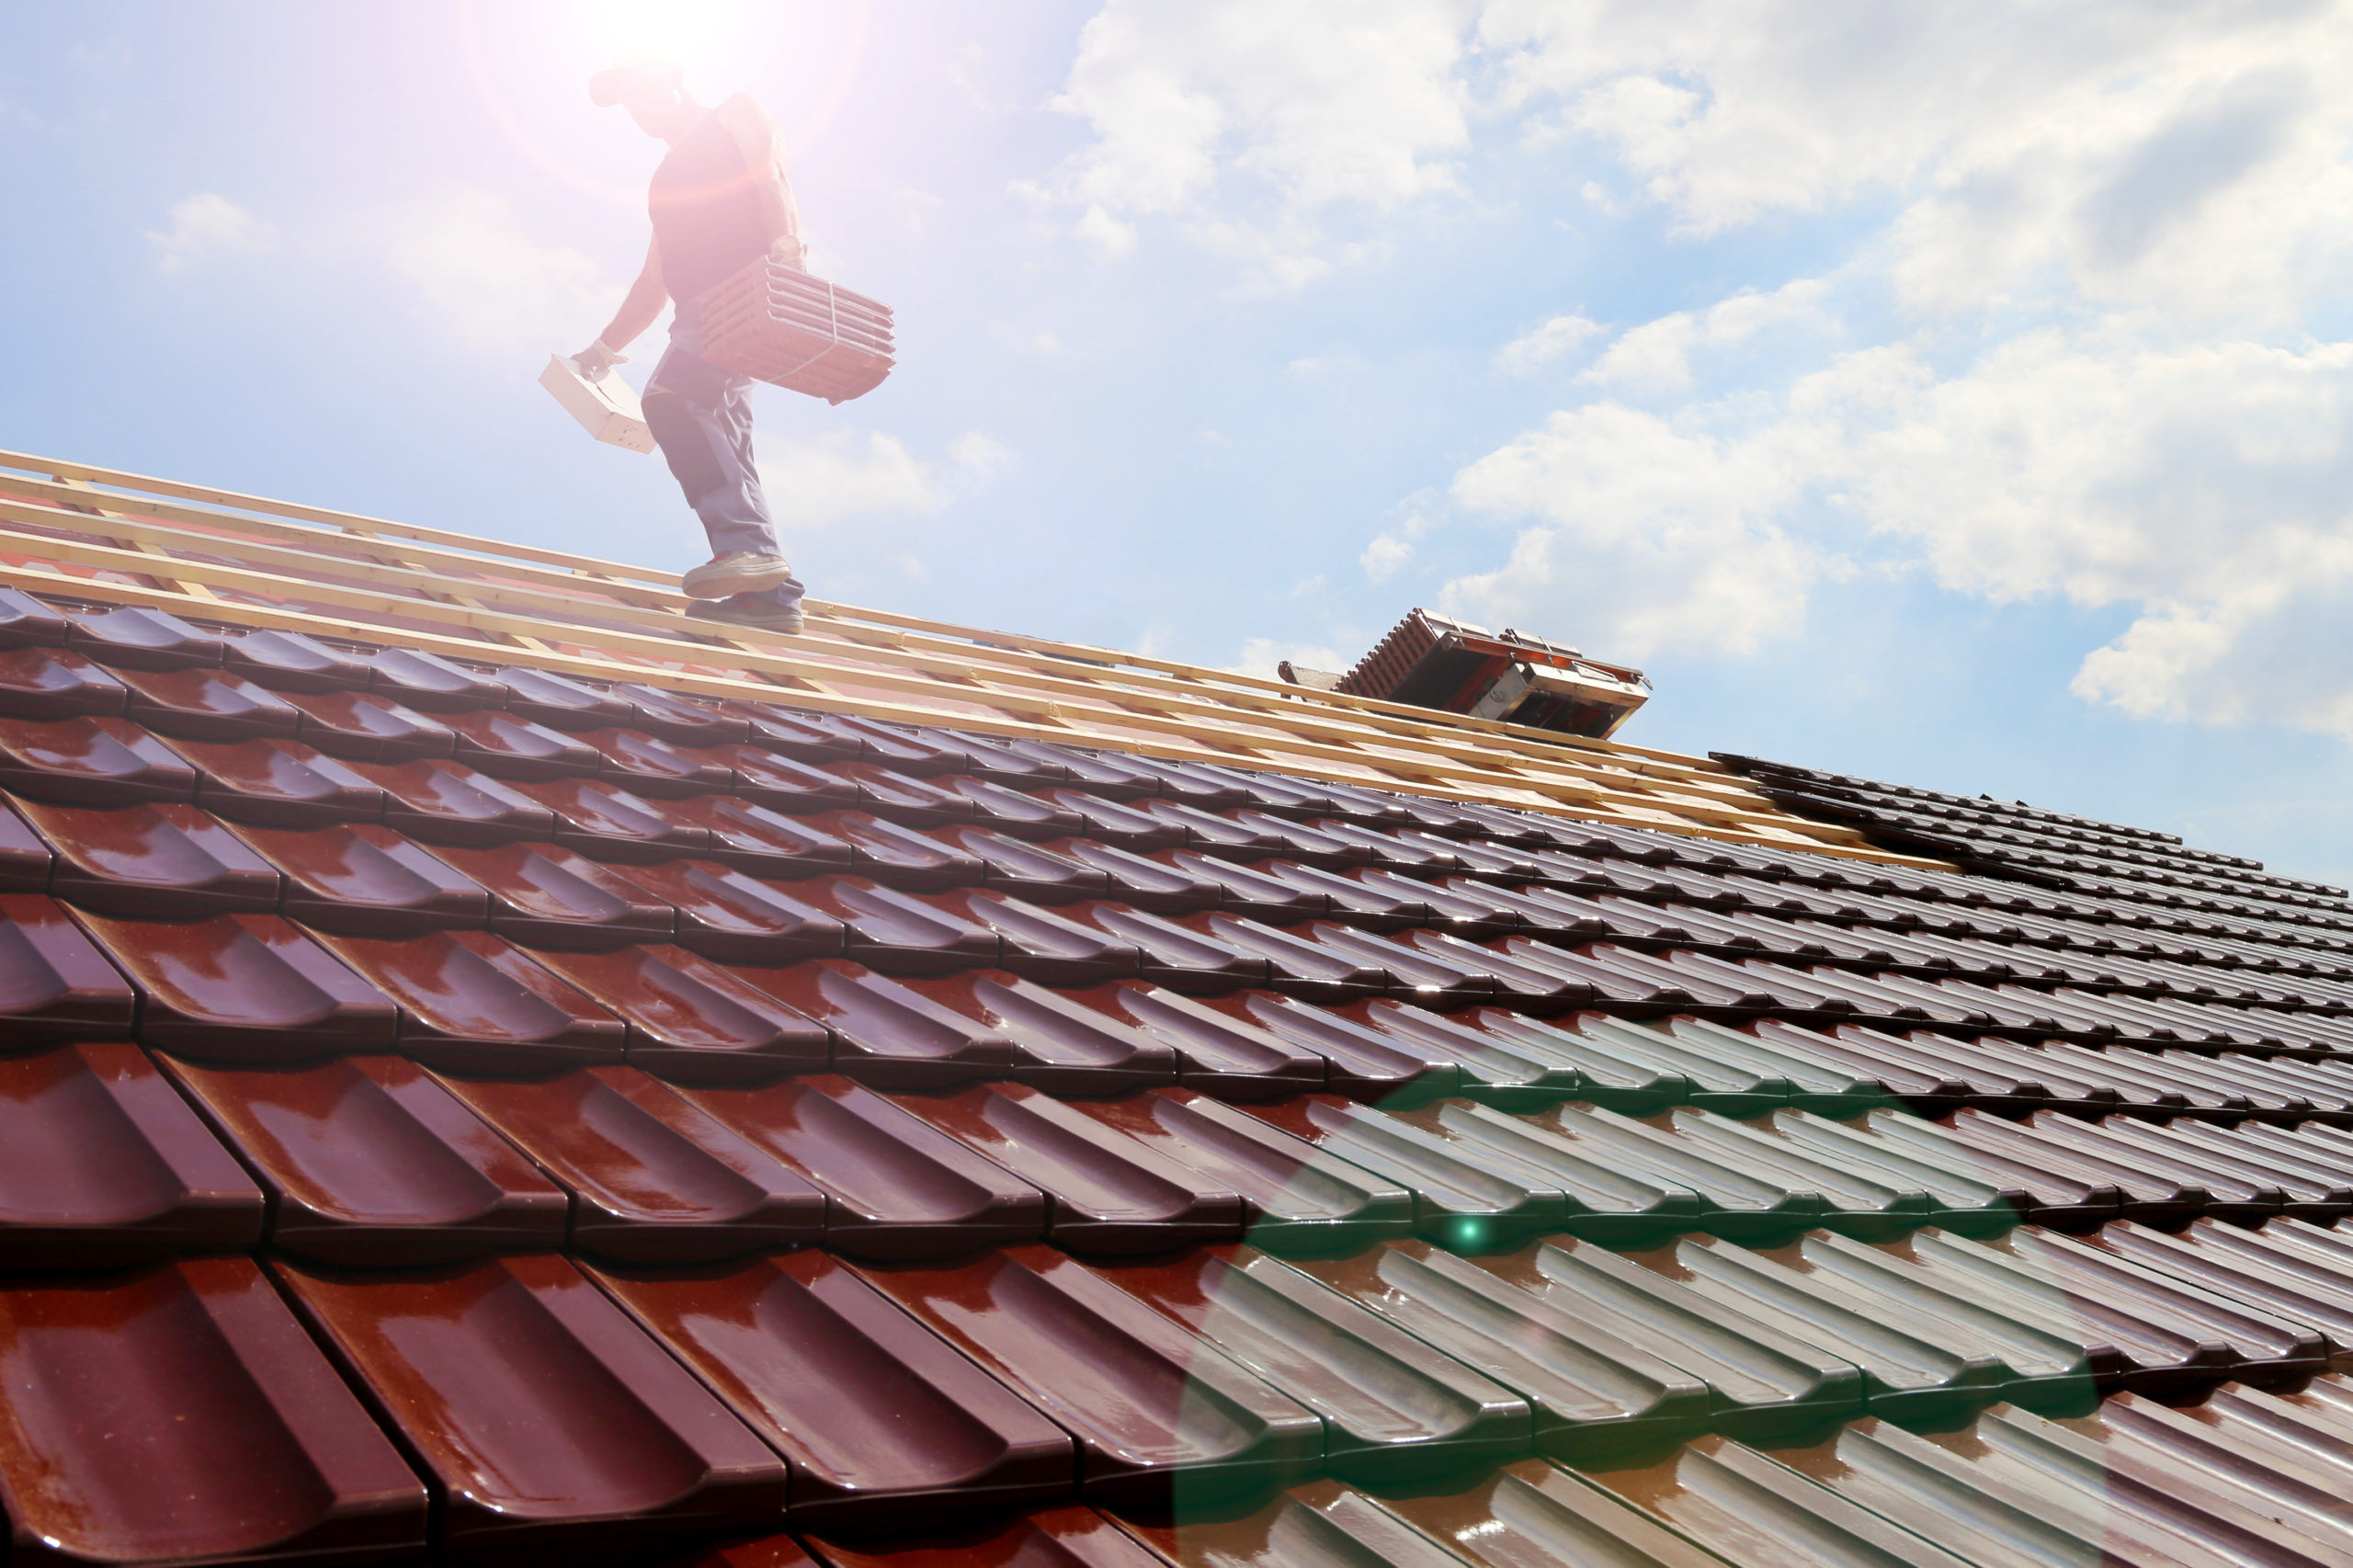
x,y
596,359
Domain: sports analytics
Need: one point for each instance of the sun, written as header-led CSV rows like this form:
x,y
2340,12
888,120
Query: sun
x,y
528,68
694,33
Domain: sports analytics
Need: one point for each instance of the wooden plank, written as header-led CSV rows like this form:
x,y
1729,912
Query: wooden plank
x,y
116,478
1225,681
392,556
488,613
80,498
1037,721
955,665
1261,689
1840,843
423,557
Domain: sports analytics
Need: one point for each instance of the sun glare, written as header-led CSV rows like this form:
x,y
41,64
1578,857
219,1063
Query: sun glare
x,y
530,67
694,33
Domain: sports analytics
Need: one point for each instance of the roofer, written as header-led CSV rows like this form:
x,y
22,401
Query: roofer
x,y
718,198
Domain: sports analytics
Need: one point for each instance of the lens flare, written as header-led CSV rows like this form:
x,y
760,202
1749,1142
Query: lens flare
x,y
800,61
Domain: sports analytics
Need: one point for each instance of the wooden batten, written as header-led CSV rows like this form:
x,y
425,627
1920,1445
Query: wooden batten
x,y
242,559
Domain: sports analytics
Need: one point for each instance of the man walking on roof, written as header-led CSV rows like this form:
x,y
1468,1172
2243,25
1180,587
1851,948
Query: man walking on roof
x,y
719,199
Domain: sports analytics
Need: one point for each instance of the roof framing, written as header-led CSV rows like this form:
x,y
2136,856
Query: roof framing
x,y
79,530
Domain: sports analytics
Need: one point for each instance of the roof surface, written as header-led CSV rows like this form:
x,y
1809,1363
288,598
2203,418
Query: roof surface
x,y
492,1109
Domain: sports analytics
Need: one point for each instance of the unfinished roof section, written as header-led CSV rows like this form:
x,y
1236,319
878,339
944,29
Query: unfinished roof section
x,y
1433,660
98,534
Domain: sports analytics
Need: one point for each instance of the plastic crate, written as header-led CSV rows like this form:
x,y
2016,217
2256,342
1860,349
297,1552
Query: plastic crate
x,y
777,323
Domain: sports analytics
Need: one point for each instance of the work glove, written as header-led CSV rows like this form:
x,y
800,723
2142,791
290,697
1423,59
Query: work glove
x,y
596,359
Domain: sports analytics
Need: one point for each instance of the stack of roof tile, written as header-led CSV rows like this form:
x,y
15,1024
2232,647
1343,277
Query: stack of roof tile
x,y
464,1111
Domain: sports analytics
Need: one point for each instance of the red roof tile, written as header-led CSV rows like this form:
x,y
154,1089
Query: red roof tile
x,y
670,1115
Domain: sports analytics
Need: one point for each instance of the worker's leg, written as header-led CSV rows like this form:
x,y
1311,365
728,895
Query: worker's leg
x,y
701,415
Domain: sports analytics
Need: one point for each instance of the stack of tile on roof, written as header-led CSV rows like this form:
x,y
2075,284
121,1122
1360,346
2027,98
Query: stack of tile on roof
x,y
454,1110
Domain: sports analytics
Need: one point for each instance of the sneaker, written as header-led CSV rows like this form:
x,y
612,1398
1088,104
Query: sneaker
x,y
737,572
768,610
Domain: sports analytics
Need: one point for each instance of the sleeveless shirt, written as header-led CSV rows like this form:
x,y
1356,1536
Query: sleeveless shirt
x,y
705,205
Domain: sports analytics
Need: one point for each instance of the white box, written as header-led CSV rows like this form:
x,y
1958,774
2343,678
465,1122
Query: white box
x,y
606,405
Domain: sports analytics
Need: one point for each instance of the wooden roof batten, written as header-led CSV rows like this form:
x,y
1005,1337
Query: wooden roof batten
x,y
78,530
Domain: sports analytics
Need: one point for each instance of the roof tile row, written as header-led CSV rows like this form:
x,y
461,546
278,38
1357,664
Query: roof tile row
x,y
590,1410
672,1118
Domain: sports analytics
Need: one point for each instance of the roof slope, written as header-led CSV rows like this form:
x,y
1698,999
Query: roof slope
x,y
468,1107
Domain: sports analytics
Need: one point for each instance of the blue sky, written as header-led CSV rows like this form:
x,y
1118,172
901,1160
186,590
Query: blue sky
x,y
1954,394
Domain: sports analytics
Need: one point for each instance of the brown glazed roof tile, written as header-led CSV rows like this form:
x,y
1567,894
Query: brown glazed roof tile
x,y
244,988
574,1090
543,1417
691,1021
1108,1193
26,621
368,1161
55,683
101,1165
880,1420
1296,1197
552,897
731,916
1074,1048
1146,1400
25,858
439,801
1213,1049
56,983
363,880
288,663
138,639
206,705
248,1447
652,1178
886,1033
90,761
896,1186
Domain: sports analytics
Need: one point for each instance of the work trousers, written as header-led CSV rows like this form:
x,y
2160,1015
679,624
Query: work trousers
x,y
701,415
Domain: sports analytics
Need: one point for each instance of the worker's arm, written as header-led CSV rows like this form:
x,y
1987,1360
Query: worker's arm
x,y
639,307
762,145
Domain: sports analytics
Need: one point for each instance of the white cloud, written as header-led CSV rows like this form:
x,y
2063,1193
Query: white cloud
x,y
1644,537
2209,487
2206,489
206,225
1109,237
1656,356
1393,548
2185,154
1545,343
2107,471
1246,121
2109,233
2176,155
813,482
493,288
980,454
2070,335
1385,556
